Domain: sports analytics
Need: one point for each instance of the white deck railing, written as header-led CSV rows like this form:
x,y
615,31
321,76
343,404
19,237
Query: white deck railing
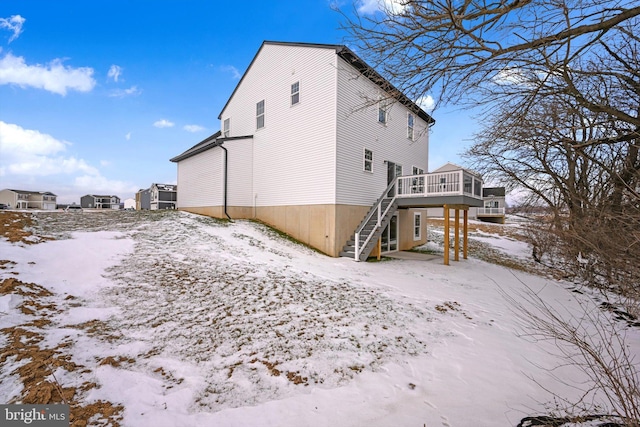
x,y
490,211
439,184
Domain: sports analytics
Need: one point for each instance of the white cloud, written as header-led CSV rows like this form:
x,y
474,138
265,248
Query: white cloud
x,y
13,23
121,93
32,153
426,103
26,156
233,70
53,77
370,7
163,124
105,163
128,136
114,72
193,128
99,184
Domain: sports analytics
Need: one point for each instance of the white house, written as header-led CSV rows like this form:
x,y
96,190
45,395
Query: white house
x,y
310,140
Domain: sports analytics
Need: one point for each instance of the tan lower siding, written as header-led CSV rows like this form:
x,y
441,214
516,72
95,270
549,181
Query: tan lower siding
x,y
324,227
406,229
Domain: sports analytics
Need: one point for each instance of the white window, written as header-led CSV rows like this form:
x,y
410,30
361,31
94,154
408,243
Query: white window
x,y
410,120
260,114
382,112
295,93
368,160
417,226
416,170
225,128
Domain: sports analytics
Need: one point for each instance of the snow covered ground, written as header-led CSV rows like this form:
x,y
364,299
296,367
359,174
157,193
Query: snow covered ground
x,y
183,320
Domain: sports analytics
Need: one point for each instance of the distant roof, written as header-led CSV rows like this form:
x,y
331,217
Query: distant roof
x,y
493,191
45,193
100,195
353,59
166,187
206,144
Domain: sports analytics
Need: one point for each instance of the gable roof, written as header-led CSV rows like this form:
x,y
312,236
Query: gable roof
x,y
206,144
356,62
44,193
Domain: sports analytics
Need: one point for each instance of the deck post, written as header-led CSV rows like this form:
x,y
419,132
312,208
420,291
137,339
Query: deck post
x,y
456,243
465,228
446,234
379,248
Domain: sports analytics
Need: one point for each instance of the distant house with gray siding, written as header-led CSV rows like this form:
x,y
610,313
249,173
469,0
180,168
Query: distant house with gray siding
x,y
95,201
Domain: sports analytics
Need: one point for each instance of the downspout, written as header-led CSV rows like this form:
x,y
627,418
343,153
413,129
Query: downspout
x,y
226,157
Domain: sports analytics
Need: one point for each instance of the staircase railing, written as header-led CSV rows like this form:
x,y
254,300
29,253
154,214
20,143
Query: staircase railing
x,y
375,209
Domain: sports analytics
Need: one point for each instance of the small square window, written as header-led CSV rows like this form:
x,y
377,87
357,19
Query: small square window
x,y
260,114
368,160
295,93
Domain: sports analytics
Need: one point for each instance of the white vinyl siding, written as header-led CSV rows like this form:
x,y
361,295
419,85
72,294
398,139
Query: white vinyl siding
x,y
294,154
357,128
200,179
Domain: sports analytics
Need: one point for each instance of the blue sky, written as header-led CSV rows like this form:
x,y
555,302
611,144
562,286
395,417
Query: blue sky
x,y
96,96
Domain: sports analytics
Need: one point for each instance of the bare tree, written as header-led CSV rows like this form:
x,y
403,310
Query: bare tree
x,y
558,82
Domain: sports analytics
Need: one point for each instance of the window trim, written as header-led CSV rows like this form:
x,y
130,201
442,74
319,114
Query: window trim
x,y
383,112
295,94
411,122
419,226
260,115
226,127
370,161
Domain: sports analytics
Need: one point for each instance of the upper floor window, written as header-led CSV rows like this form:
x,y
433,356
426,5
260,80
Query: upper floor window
x,y
295,93
260,114
225,128
382,113
368,160
410,120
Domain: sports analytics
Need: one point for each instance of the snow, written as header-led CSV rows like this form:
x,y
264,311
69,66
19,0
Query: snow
x,y
231,325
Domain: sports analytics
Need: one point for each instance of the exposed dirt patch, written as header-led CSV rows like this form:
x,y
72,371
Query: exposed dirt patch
x,y
38,363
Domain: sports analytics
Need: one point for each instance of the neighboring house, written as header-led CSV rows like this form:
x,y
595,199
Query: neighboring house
x,y
494,205
93,201
129,204
158,196
143,199
20,199
163,196
312,141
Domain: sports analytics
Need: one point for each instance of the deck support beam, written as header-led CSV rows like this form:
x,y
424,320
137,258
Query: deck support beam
x,y
456,243
465,232
446,234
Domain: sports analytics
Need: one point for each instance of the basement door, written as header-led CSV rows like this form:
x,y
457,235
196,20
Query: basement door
x,y
390,236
